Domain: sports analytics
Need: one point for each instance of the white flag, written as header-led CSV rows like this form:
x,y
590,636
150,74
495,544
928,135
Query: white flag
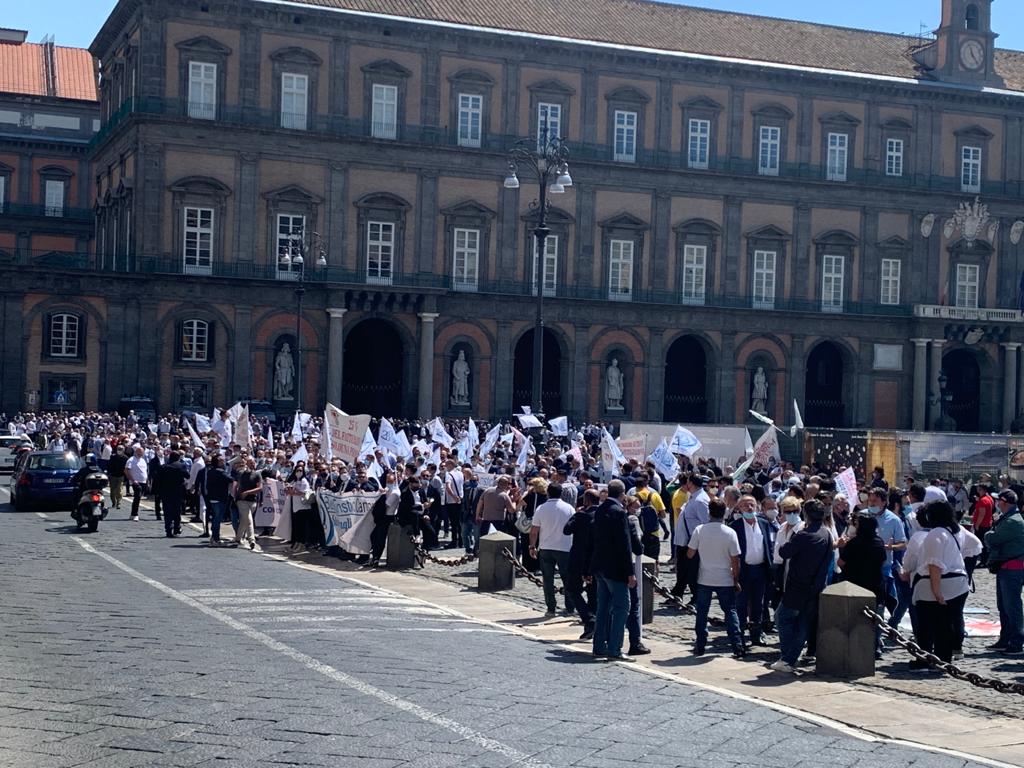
x,y
300,455
473,433
369,446
613,448
664,461
685,443
388,439
373,470
243,431
574,451
799,423
196,441
270,437
490,440
528,420
527,409
435,457
438,433
235,411
296,433
464,449
559,426
523,454
766,449
202,424
406,452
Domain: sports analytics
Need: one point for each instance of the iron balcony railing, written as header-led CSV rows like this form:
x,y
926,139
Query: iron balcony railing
x,y
47,211
445,136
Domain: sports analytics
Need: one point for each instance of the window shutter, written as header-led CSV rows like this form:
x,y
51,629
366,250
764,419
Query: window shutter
x,y
80,343
211,341
47,329
178,329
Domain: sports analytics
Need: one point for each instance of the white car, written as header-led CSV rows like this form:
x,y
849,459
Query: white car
x,y
9,445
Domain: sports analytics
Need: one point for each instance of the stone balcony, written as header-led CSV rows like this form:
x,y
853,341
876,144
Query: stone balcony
x,y
965,314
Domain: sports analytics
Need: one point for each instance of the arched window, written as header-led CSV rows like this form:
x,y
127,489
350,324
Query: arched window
x,y
195,341
971,19
64,335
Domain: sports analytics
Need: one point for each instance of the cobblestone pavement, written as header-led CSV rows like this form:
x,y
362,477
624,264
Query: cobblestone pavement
x,y
892,672
133,650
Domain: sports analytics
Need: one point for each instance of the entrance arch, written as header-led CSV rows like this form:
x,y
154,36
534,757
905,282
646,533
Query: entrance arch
x,y
522,374
373,370
963,389
686,382
824,395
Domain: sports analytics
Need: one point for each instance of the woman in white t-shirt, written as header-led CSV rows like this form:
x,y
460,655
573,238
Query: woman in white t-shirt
x,y
939,581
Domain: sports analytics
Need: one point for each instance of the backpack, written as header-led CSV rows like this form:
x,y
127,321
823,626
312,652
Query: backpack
x,y
649,524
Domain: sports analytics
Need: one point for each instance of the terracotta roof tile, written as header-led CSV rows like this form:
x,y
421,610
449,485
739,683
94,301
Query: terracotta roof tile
x,y
681,28
23,71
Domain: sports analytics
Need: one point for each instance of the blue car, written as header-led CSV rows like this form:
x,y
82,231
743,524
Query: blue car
x,y
45,478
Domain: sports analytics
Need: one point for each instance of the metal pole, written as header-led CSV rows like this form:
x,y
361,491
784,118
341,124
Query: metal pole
x,y
541,234
298,339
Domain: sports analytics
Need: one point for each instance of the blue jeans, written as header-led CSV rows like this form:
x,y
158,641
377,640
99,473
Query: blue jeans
x,y
612,607
904,593
549,559
469,533
1011,612
217,515
793,626
727,602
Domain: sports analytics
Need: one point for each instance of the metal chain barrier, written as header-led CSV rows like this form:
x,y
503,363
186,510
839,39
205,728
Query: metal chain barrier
x,y
520,569
425,556
931,659
676,601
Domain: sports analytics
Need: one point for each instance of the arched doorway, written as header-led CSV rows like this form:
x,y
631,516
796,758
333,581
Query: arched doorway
x,y
823,389
963,390
373,370
686,382
522,375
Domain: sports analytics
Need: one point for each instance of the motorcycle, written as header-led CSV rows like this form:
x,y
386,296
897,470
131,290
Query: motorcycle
x,y
92,503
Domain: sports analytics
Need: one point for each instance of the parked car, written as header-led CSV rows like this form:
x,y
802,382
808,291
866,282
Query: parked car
x,y
45,478
9,447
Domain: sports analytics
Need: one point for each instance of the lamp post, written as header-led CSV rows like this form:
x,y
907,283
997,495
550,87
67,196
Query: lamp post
x,y
945,422
295,257
548,159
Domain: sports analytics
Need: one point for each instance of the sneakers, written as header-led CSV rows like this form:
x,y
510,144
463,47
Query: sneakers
x,y
620,657
134,518
782,666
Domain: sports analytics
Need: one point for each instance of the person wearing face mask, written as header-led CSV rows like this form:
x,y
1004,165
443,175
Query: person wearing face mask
x,y
298,504
757,548
893,536
861,559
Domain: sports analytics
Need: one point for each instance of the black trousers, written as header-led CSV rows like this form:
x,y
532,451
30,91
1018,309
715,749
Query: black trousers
x,y
172,515
454,513
378,539
582,596
136,498
938,626
686,574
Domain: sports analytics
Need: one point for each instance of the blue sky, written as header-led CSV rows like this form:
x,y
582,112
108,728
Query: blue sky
x,y
75,22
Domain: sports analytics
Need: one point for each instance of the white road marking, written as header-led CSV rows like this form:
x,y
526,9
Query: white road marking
x,y
360,630
40,514
321,610
424,714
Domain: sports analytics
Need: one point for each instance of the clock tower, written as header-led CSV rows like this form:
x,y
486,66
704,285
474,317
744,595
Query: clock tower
x,y
964,49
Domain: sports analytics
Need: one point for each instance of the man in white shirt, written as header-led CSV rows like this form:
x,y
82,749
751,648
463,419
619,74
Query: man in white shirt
x,y
719,574
136,470
756,549
550,545
196,501
452,500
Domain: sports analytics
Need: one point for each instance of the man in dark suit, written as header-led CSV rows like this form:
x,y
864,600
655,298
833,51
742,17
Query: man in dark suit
x,y
170,486
756,551
155,463
580,527
611,567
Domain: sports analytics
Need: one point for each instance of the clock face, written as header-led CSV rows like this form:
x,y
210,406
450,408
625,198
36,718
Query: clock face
x,y
972,54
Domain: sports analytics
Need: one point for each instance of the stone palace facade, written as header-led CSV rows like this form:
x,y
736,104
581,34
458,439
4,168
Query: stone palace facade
x,y
761,210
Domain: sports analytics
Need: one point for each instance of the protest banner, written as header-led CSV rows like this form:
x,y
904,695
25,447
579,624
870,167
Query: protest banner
x,y
846,484
271,507
344,433
341,515
633,447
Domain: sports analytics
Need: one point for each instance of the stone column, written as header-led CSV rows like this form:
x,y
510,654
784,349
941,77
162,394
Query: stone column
x,y
336,356
920,383
935,396
1009,384
426,392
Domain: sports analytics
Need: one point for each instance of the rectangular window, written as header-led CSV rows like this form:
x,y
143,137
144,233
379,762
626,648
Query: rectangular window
x,y
62,393
620,270
471,109
967,279
64,336
838,153
291,230
202,90
194,341
894,157
700,143
770,143
764,279
549,123
695,265
466,258
891,269
833,269
550,265
294,101
384,120
197,241
970,169
380,252
625,136
54,189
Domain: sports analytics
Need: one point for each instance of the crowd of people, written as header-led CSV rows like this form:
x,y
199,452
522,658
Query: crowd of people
x,y
763,542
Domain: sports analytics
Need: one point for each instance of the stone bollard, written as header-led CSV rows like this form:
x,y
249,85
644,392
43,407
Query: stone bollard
x,y
495,572
647,590
846,638
401,550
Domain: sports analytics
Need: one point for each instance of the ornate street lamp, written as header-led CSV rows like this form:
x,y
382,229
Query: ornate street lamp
x,y
945,422
295,257
547,158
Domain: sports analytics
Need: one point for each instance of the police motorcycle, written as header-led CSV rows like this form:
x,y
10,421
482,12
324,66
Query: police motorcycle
x,y
92,505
